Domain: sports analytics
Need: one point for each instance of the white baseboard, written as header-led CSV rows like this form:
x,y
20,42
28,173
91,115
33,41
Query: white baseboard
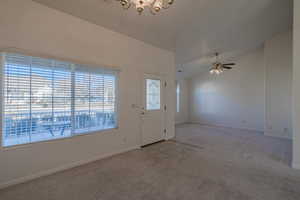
x,y
62,168
224,126
169,138
179,123
267,133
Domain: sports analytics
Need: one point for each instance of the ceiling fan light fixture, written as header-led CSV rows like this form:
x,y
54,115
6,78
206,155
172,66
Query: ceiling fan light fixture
x,y
219,67
214,71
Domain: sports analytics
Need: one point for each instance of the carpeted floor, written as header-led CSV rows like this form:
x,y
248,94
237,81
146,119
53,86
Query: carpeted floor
x,y
206,163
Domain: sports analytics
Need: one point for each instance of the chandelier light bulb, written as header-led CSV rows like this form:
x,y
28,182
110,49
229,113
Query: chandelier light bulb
x,y
157,5
140,9
125,4
170,2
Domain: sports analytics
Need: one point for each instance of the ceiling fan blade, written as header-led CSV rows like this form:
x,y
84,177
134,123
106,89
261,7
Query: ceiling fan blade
x,y
226,67
229,64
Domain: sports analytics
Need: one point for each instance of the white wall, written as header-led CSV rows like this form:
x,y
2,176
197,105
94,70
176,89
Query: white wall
x,y
296,85
233,99
36,28
183,115
261,80
279,66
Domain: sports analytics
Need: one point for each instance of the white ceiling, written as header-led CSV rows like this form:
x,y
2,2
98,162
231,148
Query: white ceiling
x,y
193,29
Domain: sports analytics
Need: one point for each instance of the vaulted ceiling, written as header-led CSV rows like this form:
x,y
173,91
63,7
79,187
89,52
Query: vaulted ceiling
x,y
191,28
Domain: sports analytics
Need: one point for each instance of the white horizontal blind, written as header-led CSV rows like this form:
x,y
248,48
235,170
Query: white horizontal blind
x,y
47,99
94,101
16,94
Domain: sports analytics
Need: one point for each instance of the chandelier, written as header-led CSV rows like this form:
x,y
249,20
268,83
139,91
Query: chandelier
x,y
154,5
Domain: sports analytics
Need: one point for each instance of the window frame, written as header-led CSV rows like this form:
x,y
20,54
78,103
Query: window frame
x,y
88,68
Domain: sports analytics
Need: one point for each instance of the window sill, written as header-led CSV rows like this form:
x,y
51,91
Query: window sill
x,y
30,144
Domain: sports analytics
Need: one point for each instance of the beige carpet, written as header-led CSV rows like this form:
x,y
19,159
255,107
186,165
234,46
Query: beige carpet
x,y
204,163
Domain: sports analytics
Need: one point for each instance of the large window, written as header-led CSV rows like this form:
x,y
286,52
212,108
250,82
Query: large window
x,y
48,99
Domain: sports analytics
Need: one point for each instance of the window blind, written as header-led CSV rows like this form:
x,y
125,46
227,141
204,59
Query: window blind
x,y
46,99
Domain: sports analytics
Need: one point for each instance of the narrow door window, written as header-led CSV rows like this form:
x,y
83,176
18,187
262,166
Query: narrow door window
x,y
153,94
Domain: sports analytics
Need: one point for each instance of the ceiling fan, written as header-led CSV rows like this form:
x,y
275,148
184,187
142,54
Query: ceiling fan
x,y
219,67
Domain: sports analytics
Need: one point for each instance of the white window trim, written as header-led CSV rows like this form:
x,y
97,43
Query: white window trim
x,y
1,100
91,67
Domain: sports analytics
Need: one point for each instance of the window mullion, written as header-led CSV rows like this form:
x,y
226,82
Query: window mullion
x,y
4,91
52,96
30,97
103,98
89,100
73,120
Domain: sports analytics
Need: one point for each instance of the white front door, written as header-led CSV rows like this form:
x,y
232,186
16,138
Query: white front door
x,y
153,109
